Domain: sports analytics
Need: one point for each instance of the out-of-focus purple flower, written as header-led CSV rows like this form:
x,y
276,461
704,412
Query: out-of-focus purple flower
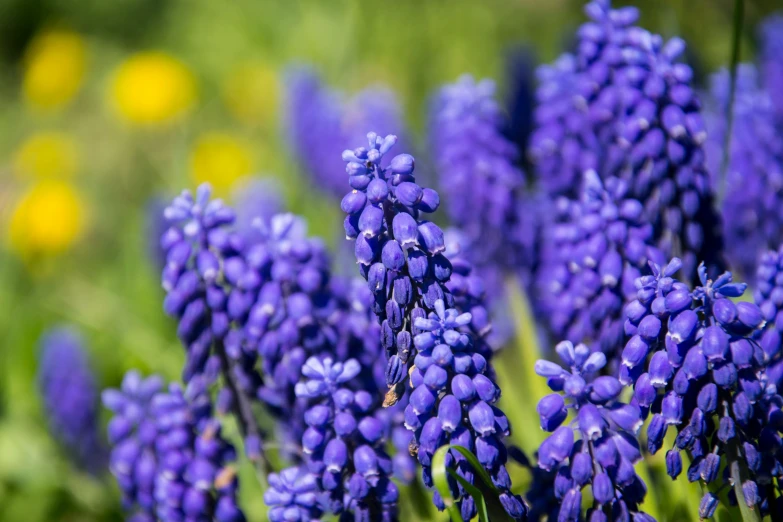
x,y
476,166
624,106
67,386
579,103
695,365
770,51
596,249
255,198
752,220
320,121
605,453
168,455
555,150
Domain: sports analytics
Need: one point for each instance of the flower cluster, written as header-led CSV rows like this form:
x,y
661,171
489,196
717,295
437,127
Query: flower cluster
x,y
607,449
662,136
402,258
624,107
169,457
695,365
320,122
453,403
70,397
754,175
599,246
399,253
482,184
579,101
211,288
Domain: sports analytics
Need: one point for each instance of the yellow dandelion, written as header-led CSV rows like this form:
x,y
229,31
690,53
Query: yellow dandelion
x,y
54,66
47,219
153,88
220,159
47,155
251,92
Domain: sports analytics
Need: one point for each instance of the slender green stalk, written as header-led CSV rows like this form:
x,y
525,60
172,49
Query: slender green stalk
x,y
736,44
243,412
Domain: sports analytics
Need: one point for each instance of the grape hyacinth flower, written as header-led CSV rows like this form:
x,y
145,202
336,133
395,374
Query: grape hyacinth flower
x,y
578,103
476,166
319,121
695,365
402,257
452,402
601,245
169,457
754,177
344,441
68,388
194,478
210,289
662,135
770,51
604,455
398,253
624,106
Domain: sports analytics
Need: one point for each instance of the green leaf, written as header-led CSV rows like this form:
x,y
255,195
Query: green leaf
x,y
481,505
514,367
440,478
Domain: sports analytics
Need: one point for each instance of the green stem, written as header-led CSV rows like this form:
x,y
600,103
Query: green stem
x,y
739,473
243,412
736,44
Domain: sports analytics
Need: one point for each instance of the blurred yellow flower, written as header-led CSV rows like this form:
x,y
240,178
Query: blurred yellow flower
x,y
152,88
54,66
47,155
251,92
220,159
47,219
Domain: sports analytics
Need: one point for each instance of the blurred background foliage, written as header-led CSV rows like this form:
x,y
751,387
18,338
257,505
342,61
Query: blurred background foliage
x,y
106,106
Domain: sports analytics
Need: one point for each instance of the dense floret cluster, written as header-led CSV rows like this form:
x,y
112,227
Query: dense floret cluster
x,y
695,366
476,166
169,456
624,106
607,449
600,245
